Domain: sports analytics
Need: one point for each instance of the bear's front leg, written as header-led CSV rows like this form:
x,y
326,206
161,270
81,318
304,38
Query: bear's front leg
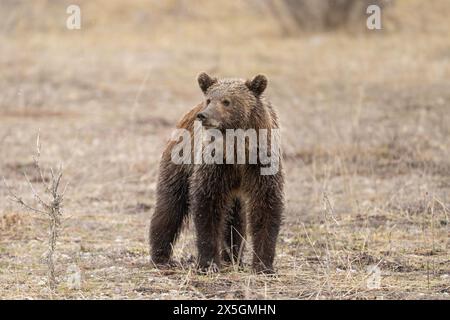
x,y
265,215
265,219
209,192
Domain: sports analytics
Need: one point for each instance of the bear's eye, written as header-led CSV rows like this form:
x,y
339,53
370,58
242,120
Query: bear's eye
x,y
226,102
208,101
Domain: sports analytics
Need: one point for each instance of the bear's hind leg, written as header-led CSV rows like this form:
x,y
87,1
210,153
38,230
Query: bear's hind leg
x,y
234,234
170,213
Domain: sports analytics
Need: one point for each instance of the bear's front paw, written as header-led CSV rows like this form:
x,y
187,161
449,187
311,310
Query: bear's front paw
x,y
261,268
208,267
163,262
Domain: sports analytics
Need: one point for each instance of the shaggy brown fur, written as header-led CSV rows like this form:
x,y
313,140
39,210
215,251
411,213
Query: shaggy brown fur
x,y
221,198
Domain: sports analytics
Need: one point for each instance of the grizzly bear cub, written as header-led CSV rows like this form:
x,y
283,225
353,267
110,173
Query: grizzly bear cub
x,y
223,195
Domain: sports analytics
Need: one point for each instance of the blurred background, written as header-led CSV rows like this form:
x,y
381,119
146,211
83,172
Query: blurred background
x,y
365,119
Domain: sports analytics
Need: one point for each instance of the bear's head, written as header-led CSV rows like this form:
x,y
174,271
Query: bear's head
x,y
229,102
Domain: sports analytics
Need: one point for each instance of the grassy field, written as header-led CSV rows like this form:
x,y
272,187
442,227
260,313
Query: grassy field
x,y
366,137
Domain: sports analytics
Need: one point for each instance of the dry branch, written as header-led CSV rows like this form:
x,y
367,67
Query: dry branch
x,y
51,209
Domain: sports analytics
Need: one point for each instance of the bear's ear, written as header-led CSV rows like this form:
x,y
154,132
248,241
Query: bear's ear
x,y
257,85
205,81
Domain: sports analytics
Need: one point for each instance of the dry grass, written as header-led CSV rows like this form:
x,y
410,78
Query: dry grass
x,y
366,141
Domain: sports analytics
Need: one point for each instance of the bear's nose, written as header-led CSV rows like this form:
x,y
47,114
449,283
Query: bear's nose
x,y
201,116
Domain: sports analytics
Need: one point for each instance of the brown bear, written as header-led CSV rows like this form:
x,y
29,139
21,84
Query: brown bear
x,y
222,196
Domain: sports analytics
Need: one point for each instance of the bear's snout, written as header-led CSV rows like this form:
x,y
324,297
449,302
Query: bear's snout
x,y
202,116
